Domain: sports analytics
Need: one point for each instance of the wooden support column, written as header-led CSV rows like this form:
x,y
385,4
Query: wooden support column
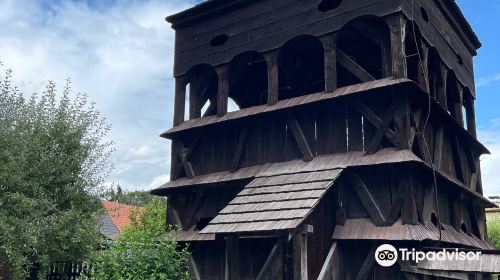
x,y
242,139
409,213
442,89
457,109
300,271
397,25
223,89
330,61
455,147
381,130
232,258
402,123
470,114
272,77
438,147
429,204
180,99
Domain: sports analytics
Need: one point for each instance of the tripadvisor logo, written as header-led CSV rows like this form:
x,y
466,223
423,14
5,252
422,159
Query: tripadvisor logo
x,y
387,255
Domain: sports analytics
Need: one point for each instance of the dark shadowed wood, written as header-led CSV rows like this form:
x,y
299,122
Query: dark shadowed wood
x,y
368,264
375,120
397,25
212,108
395,211
330,54
331,269
299,137
188,168
353,67
300,270
455,147
232,257
272,77
438,147
239,149
273,263
180,99
367,199
409,213
223,90
381,130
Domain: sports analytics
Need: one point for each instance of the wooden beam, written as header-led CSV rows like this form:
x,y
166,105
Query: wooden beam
x,y
330,56
429,205
396,24
232,258
438,147
239,149
402,123
370,116
386,121
212,108
409,213
299,137
352,66
272,77
455,147
331,269
419,122
300,271
274,262
470,115
194,206
367,199
188,168
223,90
180,100
474,181
395,211
367,266
192,267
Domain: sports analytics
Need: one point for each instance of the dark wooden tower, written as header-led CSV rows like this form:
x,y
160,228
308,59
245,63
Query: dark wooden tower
x,y
306,133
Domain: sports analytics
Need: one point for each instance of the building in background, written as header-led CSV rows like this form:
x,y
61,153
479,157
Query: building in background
x,y
493,213
116,217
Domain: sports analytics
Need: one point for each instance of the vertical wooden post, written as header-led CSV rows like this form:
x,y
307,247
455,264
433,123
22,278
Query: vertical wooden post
x,y
397,25
194,97
272,77
442,88
300,271
330,61
179,100
223,89
232,258
402,122
470,114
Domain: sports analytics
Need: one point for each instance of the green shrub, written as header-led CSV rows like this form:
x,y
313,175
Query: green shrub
x,y
143,251
494,232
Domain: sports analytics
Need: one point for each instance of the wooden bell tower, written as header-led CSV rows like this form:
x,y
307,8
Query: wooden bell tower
x,y
307,133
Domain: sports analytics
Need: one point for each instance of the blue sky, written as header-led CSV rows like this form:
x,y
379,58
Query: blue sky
x,y
120,52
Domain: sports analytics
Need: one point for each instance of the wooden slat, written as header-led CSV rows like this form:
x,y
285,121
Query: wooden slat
x,y
300,269
396,25
299,137
367,199
179,102
242,139
455,147
395,210
438,147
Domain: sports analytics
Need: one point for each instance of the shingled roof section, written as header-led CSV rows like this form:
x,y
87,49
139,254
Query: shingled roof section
x,y
120,213
275,202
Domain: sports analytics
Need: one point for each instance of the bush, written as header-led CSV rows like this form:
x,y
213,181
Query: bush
x,y
494,232
145,250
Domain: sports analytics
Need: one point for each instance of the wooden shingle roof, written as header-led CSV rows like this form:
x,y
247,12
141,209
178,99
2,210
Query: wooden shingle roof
x,y
274,202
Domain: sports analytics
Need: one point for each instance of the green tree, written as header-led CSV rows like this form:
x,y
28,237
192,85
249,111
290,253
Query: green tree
x,y
145,250
494,232
52,161
137,198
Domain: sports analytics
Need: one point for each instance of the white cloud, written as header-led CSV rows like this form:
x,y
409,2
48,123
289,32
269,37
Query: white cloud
x,y
490,164
158,181
120,53
483,81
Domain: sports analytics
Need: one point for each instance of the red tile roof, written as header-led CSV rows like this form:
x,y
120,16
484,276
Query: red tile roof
x,y
120,213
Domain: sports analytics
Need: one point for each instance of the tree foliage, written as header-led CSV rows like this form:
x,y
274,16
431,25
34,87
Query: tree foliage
x,y
144,250
137,198
494,232
52,161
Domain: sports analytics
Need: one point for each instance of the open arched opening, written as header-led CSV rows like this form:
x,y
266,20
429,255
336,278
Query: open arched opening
x,y
248,80
414,53
363,51
301,67
453,104
201,93
434,76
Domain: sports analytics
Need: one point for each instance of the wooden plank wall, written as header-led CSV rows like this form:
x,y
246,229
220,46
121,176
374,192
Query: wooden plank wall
x,y
333,127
